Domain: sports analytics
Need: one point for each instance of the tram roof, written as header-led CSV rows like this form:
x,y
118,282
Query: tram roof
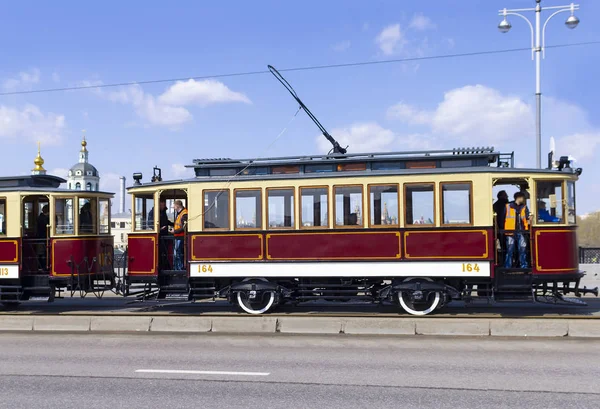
x,y
461,160
40,183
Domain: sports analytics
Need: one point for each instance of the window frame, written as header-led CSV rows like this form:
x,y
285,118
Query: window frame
x,y
259,189
441,187
435,215
294,196
574,202
108,223
382,226
134,209
228,228
327,193
534,201
75,216
4,232
362,206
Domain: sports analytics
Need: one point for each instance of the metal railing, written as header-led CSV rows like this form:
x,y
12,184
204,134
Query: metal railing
x,y
589,255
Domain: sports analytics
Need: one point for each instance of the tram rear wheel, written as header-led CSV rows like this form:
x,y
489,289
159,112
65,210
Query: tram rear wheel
x,y
419,302
255,302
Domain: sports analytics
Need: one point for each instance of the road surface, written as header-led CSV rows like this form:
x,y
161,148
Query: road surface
x,y
277,371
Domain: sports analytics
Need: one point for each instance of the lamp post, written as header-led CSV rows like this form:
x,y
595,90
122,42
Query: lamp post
x,y
538,51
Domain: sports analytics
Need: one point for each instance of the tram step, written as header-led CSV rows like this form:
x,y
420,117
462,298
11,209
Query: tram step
x,y
38,298
176,296
37,289
174,272
182,287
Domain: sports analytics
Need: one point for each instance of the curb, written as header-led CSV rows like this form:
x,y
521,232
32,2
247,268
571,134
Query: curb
x,y
482,327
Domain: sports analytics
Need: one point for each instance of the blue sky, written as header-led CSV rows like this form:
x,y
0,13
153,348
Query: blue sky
x,y
444,103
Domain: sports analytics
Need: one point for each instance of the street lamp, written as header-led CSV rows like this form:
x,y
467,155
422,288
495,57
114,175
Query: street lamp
x,y
537,48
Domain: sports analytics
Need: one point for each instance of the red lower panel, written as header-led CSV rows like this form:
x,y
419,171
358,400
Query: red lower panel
x,y
9,251
69,255
334,245
227,247
556,251
142,255
454,244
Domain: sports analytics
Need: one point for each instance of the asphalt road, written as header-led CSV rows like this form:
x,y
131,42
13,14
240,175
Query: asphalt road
x,y
215,371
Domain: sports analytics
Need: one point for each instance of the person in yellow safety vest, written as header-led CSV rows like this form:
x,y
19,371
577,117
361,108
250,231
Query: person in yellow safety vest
x,y
179,229
516,221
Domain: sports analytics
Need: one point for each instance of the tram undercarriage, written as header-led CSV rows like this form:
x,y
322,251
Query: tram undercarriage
x,y
414,295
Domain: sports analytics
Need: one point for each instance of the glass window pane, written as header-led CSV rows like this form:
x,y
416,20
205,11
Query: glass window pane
x,y
384,205
420,204
348,206
549,202
248,209
2,217
104,216
88,216
144,213
216,209
64,216
456,203
281,207
313,207
571,202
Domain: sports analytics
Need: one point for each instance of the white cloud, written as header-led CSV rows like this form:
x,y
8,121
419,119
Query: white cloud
x,y
31,124
23,80
581,146
472,113
55,77
179,170
421,23
203,93
341,46
390,40
361,137
168,108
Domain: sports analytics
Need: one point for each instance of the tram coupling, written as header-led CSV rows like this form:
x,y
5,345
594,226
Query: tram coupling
x,y
583,291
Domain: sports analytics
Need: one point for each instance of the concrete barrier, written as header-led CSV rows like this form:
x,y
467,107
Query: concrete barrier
x,y
61,323
479,327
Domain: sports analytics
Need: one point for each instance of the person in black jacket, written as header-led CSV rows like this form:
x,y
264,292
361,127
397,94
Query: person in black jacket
x,y
163,234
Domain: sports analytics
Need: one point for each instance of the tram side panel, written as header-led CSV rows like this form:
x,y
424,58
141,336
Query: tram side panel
x,y
389,253
142,252
82,256
9,270
555,253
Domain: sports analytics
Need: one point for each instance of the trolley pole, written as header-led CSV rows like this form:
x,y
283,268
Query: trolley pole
x,y
538,44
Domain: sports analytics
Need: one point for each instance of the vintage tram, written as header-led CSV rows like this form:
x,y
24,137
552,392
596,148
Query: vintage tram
x,y
416,228
52,240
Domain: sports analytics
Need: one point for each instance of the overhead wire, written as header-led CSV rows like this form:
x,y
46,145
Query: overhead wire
x,y
292,69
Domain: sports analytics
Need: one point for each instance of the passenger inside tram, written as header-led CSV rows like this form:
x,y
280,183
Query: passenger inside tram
x,y
86,219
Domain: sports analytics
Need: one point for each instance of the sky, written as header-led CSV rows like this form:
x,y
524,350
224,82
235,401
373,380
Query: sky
x,y
482,100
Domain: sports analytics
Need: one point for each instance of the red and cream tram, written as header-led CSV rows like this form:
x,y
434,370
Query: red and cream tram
x,y
417,228
52,239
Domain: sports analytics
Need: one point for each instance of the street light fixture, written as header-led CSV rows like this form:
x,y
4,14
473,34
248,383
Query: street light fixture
x,y
538,46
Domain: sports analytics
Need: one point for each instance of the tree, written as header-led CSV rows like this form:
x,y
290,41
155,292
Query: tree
x,y
588,232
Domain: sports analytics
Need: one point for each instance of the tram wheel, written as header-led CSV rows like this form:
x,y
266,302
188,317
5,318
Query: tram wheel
x,y
261,303
419,303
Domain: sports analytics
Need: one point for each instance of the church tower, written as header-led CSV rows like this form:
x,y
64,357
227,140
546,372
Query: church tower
x,y
82,175
38,162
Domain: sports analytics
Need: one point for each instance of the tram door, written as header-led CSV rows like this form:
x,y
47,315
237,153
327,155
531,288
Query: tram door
x,y
35,224
510,186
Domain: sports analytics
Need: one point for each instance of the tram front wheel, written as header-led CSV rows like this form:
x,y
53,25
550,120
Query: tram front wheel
x,y
255,302
419,302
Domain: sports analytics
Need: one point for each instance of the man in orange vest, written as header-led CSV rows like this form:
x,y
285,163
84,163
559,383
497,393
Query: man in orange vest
x,y
179,229
516,223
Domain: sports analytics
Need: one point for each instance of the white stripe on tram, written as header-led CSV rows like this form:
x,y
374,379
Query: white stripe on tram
x,y
181,371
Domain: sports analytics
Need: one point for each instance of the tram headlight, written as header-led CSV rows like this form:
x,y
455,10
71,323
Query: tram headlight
x,y
137,177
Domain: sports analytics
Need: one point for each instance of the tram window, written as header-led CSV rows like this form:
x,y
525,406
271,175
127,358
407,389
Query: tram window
x,y
280,208
63,209
104,216
383,203
248,209
571,203
549,202
313,207
216,209
88,216
348,205
144,213
456,203
2,217
419,207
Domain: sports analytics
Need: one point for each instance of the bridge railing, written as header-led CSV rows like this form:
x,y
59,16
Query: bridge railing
x,y
589,255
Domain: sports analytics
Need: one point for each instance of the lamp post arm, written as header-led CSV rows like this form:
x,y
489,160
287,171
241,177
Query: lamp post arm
x,y
510,13
544,29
